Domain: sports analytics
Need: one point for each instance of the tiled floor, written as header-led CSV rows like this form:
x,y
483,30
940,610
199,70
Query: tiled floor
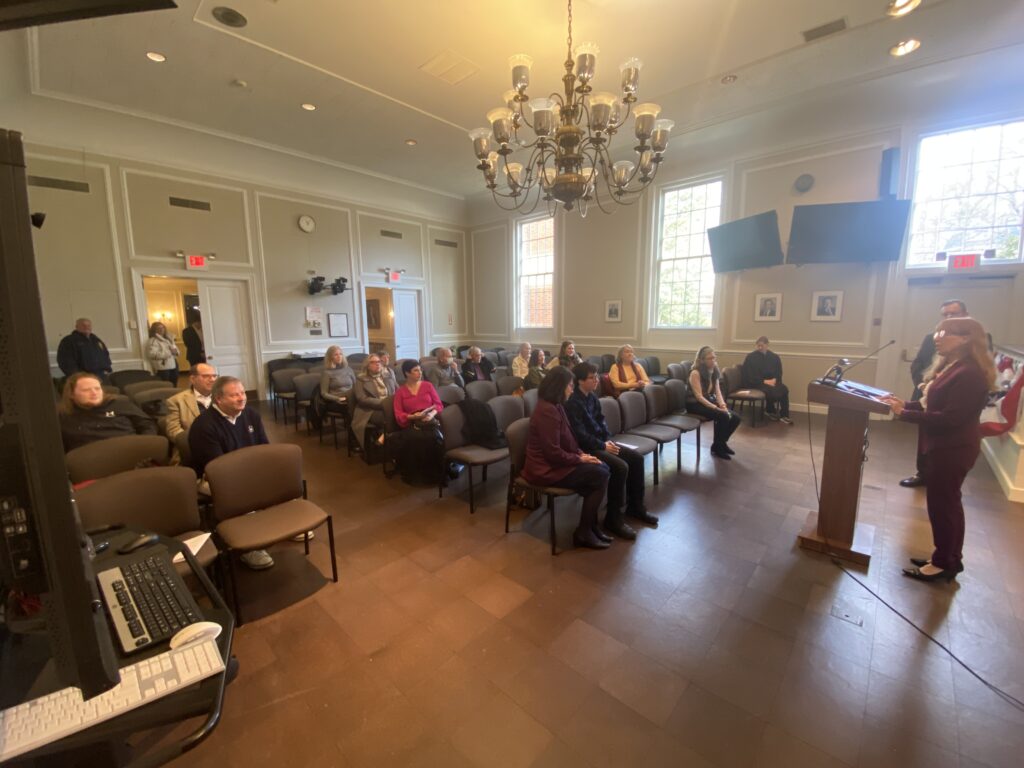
x,y
710,641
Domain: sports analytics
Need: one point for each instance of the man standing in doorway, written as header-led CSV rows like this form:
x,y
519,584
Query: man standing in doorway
x,y
195,349
921,363
83,351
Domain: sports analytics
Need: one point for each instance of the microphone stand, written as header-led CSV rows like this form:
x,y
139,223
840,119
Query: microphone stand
x,y
835,374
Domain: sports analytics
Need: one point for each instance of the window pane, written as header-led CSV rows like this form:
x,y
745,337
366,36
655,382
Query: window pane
x,y
535,265
969,194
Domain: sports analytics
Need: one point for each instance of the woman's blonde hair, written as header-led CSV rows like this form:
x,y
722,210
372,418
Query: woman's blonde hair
x,y
975,348
67,401
623,348
329,357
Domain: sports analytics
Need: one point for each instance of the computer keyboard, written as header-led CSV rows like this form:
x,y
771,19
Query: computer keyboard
x,y
147,601
44,720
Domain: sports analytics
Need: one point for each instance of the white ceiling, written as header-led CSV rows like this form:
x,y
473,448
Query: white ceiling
x,y
360,64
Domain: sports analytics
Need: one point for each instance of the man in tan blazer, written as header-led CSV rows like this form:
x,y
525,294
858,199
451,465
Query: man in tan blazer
x,y
185,407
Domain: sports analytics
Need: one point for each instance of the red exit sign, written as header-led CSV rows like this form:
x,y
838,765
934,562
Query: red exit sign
x,y
963,262
196,261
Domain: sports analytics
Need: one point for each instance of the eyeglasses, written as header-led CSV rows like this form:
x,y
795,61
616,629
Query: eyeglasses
x,y
939,334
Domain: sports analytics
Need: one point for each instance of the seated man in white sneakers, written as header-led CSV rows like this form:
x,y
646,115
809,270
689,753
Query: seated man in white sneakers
x,y
762,369
229,424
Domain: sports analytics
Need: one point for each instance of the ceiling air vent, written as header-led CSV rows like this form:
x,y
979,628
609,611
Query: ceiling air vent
x,y
65,184
389,233
450,67
446,243
229,17
184,202
824,30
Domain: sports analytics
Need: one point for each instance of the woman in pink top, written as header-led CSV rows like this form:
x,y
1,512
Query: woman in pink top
x,y
419,447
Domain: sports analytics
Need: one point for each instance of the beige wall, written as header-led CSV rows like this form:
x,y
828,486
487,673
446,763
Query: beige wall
x,y
491,287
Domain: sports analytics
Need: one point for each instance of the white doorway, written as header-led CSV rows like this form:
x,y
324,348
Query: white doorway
x,y
407,324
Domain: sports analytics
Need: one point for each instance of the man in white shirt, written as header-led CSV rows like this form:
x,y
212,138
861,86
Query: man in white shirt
x,y
521,362
185,407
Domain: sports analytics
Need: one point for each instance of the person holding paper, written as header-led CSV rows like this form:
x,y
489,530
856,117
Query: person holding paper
x,y
416,407
626,466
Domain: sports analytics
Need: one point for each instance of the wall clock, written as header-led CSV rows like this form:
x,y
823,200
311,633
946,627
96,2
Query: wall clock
x,y
307,223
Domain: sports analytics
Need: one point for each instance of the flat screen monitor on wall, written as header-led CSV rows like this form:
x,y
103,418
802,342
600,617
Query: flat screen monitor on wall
x,y
746,243
845,232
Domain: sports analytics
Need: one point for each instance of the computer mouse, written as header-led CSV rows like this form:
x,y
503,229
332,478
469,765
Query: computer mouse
x,y
194,633
143,540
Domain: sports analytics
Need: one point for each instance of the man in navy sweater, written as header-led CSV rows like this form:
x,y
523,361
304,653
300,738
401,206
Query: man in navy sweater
x,y
227,426
82,350
626,465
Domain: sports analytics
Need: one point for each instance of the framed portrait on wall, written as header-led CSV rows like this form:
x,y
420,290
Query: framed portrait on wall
x,y
613,311
767,307
827,306
373,314
337,324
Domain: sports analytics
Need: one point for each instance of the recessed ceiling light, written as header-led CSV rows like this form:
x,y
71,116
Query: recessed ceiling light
x,y
729,79
229,17
904,47
901,7
309,107
157,57
411,142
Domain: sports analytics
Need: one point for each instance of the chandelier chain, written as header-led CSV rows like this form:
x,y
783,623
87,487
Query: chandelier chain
x,y
568,55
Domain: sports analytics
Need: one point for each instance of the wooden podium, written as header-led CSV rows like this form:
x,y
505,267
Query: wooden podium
x,y
834,528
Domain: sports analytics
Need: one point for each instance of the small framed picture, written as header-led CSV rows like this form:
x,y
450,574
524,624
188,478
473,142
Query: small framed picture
x,y
373,314
337,324
827,306
613,311
767,307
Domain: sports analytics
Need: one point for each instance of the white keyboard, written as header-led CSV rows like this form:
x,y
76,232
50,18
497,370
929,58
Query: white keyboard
x,y
44,720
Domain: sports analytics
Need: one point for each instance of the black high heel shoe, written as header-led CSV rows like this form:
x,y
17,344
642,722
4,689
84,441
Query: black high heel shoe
x,y
944,575
921,562
590,542
596,530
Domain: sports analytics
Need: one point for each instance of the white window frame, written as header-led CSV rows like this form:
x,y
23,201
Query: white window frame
x,y
520,224
655,262
912,184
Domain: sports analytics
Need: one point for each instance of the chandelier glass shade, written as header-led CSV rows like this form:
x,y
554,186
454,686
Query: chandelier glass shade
x,y
568,162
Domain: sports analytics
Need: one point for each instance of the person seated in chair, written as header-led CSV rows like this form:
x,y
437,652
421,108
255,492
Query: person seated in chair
x,y
535,373
625,465
477,367
372,386
554,458
567,357
705,384
446,371
229,424
88,414
184,408
420,446
762,369
336,381
627,374
521,362
385,368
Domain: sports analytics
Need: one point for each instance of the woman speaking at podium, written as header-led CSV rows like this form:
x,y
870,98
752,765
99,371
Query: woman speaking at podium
x,y
955,390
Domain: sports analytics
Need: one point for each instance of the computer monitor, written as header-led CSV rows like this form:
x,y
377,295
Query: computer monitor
x,y
42,548
746,243
848,232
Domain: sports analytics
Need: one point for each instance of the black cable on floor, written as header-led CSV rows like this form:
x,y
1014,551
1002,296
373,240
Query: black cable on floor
x,y
1006,697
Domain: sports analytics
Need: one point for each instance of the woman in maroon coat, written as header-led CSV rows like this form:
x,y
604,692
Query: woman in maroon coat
x,y
956,388
554,458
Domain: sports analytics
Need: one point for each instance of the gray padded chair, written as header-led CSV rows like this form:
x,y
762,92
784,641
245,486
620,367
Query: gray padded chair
x,y
451,394
259,499
634,422
156,499
518,433
115,454
457,449
122,379
607,361
613,420
141,386
153,401
284,389
677,391
735,392
659,411
529,401
481,390
653,368
507,385
675,371
305,384
356,358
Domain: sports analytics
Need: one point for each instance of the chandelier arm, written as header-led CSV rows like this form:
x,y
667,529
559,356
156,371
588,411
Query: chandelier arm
x,y
597,199
625,117
497,200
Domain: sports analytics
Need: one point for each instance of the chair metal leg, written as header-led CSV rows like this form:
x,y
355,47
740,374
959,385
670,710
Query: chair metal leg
x,y
485,473
234,587
508,500
305,541
330,542
551,519
679,453
440,477
654,458
472,500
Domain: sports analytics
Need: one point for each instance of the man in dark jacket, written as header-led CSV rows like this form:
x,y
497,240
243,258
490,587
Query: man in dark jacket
x,y
626,465
227,426
762,370
192,336
81,350
921,363
477,367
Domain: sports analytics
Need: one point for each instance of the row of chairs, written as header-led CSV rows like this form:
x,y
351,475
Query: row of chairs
x,y
736,395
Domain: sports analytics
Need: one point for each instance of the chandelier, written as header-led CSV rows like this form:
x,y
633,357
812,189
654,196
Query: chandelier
x,y
569,161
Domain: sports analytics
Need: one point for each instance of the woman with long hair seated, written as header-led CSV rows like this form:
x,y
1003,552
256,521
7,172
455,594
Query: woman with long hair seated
x,y
956,388
567,357
370,390
337,380
554,458
88,414
535,373
627,374
706,387
419,447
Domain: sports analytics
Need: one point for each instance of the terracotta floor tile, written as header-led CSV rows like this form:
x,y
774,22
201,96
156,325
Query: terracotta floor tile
x,y
715,729
460,621
549,690
607,733
499,595
501,734
587,649
644,685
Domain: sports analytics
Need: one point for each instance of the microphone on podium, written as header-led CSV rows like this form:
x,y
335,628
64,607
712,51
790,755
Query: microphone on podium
x,y
843,365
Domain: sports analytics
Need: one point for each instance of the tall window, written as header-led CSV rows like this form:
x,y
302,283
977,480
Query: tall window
x,y
685,280
969,194
535,271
